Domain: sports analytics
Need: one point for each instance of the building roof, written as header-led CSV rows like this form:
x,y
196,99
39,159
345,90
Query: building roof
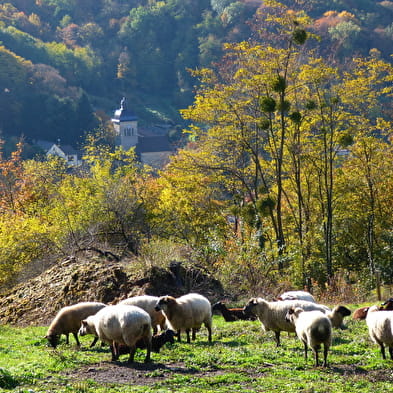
x,y
124,113
153,144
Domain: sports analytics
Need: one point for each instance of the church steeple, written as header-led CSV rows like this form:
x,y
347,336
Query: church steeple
x,y
126,126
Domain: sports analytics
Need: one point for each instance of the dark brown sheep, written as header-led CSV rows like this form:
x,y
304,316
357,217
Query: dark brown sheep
x,y
233,314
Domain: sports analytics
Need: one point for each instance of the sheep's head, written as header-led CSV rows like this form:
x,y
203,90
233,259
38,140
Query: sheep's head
x,y
170,336
342,310
164,302
53,339
292,314
218,306
388,305
86,328
252,303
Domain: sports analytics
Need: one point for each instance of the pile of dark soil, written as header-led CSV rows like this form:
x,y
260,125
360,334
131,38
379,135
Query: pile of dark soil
x,y
36,301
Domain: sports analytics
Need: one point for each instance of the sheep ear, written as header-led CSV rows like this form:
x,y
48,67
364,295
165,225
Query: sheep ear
x,y
84,322
291,311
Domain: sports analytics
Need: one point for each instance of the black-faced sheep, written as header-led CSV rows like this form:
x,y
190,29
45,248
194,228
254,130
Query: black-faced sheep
x,y
68,320
187,313
233,314
313,328
387,305
272,314
148,303
337,316
380,328
120,325
297,295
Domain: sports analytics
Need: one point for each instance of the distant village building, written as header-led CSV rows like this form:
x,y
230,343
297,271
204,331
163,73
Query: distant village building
x,y
152,146
67,152
151,149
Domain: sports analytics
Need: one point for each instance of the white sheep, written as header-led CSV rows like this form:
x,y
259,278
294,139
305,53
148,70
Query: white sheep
x,y
314,329
380,329
120,325
297,295
187,313
148,303
272,314
68,320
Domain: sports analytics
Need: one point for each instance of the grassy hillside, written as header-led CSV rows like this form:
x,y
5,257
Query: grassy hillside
x,y
241,357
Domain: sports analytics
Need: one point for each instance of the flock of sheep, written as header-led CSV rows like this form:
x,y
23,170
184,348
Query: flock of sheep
x,y
150,321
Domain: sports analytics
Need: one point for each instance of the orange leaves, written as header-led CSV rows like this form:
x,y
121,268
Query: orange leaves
x,y
15,187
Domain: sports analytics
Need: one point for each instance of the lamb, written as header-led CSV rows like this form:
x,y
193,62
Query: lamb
x,y
120,325
68,320
233,314
380,329
187,312
297,295
313,328
147,303
272,314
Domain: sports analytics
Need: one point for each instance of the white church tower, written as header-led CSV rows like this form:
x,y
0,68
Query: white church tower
x,y
126,126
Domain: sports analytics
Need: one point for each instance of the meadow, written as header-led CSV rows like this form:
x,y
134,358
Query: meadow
x,y
241,358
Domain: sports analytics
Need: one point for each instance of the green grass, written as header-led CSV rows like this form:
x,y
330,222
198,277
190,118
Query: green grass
x,y
241,358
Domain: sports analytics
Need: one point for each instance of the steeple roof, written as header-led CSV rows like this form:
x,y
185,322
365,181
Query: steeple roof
x,y
124,113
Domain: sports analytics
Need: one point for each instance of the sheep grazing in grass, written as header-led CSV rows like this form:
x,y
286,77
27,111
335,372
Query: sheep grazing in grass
x,y
380,329
187,313
157,342
120,325
297,295
68,320
148,303
272,314
233,314
314,329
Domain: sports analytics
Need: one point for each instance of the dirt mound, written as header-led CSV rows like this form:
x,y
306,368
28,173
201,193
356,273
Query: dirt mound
x,y
36,301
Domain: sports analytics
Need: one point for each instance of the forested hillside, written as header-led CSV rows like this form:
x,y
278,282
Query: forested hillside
x,y
65,64
285,174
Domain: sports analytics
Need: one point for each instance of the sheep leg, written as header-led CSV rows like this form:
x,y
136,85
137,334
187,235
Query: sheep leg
x,y
132,354
193,334
115,351
325,353
178,335
76,339
209,329
188,335
316,357
148,351
391,352
383,351
67,338
94,342
305,351
277,333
